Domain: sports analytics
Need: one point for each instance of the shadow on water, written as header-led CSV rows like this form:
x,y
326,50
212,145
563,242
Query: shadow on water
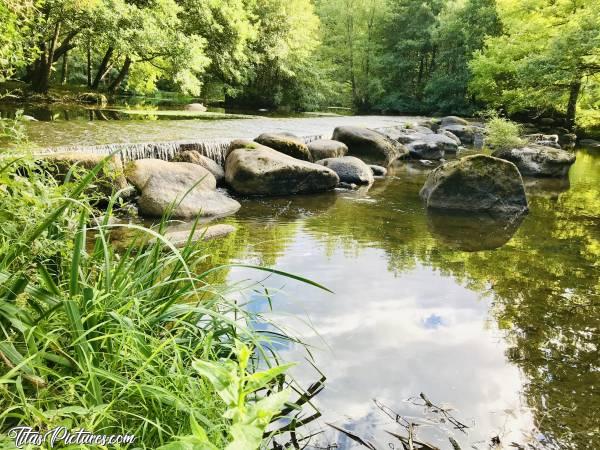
x,y
473,232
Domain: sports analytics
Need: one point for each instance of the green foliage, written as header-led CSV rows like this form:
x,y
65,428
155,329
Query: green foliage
x,y
547,51
13,130
234,384
113,342
502,134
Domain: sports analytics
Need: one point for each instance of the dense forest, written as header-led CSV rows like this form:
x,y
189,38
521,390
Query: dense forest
x,y
538,57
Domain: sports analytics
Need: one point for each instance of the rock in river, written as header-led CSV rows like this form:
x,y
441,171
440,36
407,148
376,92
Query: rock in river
x,y
254,169
189,186
378,171
466,133
476,183
327,148
350,169
194,157
539,161
370,145
203,233
286,144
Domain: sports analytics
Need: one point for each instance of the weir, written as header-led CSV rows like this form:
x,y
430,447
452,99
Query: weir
x,y
212,148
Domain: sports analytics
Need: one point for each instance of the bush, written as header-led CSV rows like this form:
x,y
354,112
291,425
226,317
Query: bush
x,y
502,134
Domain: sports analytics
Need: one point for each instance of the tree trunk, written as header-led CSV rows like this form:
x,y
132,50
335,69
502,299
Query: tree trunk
x,y
41,82
102,69
63,72
122,74
89,63
572,104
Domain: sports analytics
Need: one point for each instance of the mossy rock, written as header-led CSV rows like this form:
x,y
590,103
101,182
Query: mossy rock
x,y
476,183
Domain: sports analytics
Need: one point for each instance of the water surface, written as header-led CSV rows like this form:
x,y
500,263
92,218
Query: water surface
x,y
498,321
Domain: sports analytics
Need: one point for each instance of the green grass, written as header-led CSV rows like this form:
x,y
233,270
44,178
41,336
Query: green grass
x,y
119,342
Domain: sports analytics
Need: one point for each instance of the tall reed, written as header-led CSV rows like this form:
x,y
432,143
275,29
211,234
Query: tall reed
x,y
109,341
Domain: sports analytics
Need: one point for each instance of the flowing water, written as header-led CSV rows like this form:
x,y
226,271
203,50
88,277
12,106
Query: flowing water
x,y
496,320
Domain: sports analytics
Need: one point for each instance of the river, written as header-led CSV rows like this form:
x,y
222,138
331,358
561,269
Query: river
x,y
496,322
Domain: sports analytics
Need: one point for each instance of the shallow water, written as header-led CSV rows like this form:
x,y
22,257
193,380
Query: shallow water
x,y
498,321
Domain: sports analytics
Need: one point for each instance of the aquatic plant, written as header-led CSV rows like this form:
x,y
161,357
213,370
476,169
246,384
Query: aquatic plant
x,y
136,342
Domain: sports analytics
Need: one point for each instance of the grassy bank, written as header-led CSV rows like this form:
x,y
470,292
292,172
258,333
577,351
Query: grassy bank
x,y
136,342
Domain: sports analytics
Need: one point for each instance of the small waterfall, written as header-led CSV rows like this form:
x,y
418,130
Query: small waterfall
x,y
213,148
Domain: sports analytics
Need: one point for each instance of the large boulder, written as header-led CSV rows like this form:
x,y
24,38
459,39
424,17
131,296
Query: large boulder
x,y
194,157
254,169
370,145
327,148
476,183
539,161
189,187
285,143
350,169
109,179
466,133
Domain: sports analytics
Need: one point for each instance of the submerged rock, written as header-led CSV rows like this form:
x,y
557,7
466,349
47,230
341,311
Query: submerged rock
x,y
179,238
476,183
254,169
592,143
285,143
190,187
378,171
370,145
327,148
350,169
474,231
539,161
194,157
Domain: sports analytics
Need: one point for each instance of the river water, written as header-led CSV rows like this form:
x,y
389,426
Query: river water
x,y
496,323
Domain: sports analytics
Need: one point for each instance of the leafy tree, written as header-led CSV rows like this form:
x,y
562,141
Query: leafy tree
x,y
461,31
351,41
548,52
